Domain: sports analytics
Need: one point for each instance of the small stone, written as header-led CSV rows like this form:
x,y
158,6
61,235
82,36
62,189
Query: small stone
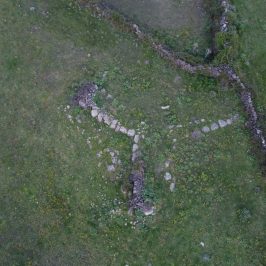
x,y
131,133
196,134
82,104
123,130
107,120
136,139
167,163
135,156
100,117
167,176
113,124
117,129
135,147
205,129
202,244
110,168
32,8
167,107
94,112
214,126
179,126
172,187
148,208
229,121
222,123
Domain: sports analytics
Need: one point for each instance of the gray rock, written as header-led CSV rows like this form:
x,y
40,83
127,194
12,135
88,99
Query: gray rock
x,y
111,168
135,147
172,187
82,104
135,156
167,163
94,112
136,139
117,129
205,129
167,107
214,126
222,123
113,124
107,119
100,117
229,121
131,133
167,176
196,134
123,130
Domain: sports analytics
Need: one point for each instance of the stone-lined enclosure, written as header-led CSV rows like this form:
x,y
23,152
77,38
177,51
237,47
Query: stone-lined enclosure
x,y
84,99
222,72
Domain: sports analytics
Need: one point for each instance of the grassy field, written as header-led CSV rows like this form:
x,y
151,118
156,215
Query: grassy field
x,y
252,60
181,25
60,206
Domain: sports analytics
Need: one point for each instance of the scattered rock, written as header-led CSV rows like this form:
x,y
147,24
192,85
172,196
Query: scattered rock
x,y
167,107
214,126
167,176
205,129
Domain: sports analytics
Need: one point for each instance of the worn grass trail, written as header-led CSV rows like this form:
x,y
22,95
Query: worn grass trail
x,y
60,205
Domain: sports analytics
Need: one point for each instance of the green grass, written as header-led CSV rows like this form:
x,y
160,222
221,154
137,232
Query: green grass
x,y
252,59
57,201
